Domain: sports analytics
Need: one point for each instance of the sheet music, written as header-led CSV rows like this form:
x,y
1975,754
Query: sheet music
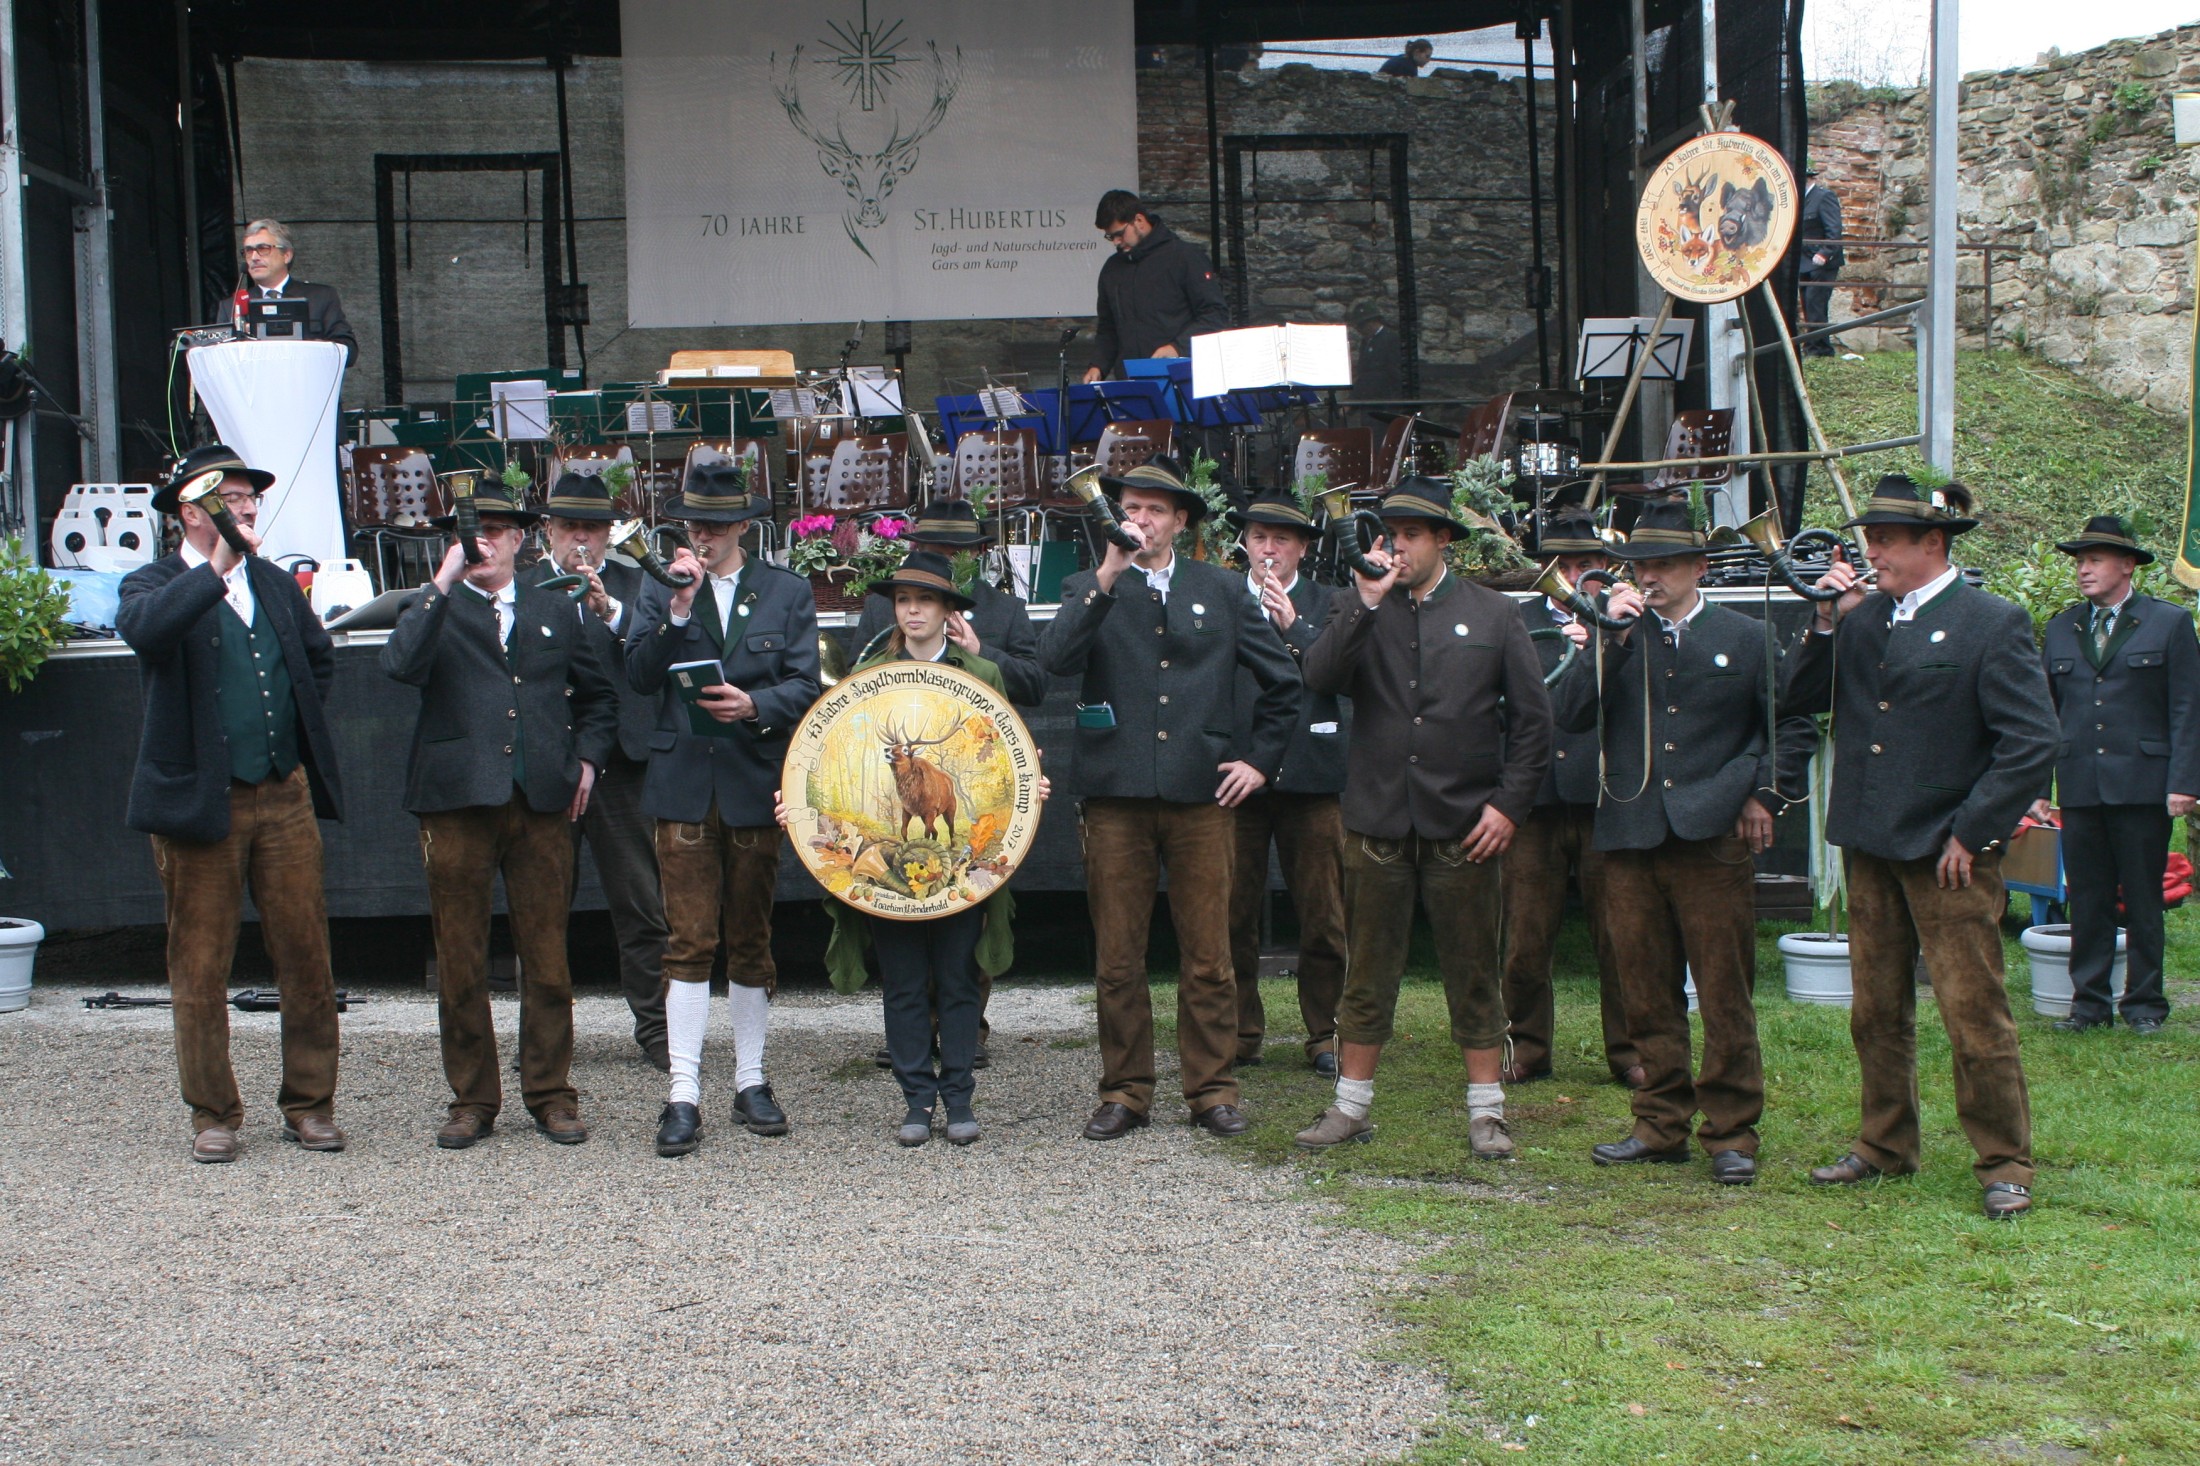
x,y
1003,403
795,402
870,392
1271,356
649,417
520,410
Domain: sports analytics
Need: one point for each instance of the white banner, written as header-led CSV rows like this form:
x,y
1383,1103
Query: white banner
x,y
274,402
871,159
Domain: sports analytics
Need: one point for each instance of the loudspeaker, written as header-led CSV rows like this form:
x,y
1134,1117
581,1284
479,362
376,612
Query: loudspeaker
x,y
106,527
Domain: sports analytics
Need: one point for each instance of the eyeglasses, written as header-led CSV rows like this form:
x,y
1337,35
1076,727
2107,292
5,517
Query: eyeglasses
x,y
242,501
1118,233
262,249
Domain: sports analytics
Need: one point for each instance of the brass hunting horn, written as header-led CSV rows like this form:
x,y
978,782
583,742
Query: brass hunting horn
x,y
1574,596
1084,485
1764,532
630,537
466,520
1356,530
205,492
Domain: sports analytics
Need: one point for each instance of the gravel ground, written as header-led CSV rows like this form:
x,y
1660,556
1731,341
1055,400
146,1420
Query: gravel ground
x,y
826,1297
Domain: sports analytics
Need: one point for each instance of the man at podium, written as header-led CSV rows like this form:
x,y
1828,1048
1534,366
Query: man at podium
x,y
1156,293
267,251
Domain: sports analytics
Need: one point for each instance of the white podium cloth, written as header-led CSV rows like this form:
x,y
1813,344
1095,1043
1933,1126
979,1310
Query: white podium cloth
x,y
275,402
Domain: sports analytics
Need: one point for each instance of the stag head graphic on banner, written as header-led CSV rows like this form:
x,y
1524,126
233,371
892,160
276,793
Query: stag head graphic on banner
x,y
864,143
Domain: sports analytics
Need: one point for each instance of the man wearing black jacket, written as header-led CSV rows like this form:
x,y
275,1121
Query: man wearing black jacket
x,y
517,717
267,255
622,836
1822,257
234,764
2125,671
1155,294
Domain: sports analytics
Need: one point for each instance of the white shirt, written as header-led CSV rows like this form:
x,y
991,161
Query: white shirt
x,y
1560,615
505,602
1159,579
1908,607
1252,583
236,585
1675,628
271,292
721,595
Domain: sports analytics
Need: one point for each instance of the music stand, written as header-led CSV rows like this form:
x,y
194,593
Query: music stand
x,y
1609,345
1143,400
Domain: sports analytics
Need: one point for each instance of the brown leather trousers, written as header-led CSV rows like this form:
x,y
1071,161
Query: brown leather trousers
x,y
1127,842
1308,832
1554,841
719,881
274,844
463,850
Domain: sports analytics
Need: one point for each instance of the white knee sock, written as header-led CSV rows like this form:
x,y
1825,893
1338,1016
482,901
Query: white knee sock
x,y
1486,1100
687,1014
1356,1097
751,1009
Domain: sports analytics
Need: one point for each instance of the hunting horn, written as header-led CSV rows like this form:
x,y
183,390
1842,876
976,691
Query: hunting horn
x,y
1574,597
1356,530
205,492
1764,532
631,538
465,519
1085,486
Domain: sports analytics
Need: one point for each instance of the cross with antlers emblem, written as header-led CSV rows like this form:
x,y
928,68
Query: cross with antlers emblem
x,y
867,58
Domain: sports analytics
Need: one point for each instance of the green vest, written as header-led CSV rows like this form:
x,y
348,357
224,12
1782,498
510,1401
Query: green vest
x,y
258,707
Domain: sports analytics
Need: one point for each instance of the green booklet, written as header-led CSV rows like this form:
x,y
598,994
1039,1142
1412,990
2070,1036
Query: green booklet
x,y
690,680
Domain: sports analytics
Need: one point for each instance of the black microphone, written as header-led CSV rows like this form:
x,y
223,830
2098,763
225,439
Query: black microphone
x,y
1069,334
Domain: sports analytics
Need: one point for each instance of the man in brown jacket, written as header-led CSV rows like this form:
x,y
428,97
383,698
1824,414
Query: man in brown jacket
x,y
1451,735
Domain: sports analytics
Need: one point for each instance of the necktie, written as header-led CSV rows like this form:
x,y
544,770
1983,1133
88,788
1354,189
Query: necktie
x,y
2104,621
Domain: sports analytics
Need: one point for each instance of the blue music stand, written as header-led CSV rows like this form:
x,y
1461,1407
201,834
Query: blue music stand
x,y
1145,399
961,414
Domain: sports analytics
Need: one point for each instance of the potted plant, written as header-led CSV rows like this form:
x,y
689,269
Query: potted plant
x,y
1481,496
1817,962
842,558
33,606
2047,948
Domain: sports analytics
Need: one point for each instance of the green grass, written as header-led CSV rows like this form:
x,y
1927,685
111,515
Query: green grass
x,y
1640,1316
2042,448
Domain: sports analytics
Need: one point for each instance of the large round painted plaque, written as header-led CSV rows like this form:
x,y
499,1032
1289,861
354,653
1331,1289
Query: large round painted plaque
x,y
912,790
1717,216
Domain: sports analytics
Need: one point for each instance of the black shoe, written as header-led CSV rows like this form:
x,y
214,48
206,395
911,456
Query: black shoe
x,y
1248,1061
1325,1064
980,1059
1113,1121
1220,1120
1630,1152
2075,1024
2143,1026
677,1128
1732,1168
883,1058
755,1108
656,1052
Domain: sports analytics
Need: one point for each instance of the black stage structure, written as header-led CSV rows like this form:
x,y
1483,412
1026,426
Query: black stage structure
x,y
67,744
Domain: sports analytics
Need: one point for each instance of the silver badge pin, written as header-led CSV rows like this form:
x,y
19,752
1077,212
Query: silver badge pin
x,y
1940,636
741,610
1198,609
1460,629
1719,660
544,630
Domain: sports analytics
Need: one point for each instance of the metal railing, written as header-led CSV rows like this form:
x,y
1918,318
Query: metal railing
x,y
1987,250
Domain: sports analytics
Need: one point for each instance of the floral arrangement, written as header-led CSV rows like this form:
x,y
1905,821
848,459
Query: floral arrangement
x,y
1480,496
1214,538
842,549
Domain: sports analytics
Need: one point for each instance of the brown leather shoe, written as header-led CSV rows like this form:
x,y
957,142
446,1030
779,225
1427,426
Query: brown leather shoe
x,y
1220,1120
462,1130
1113,1121
1846,1171
2005,1200
1635,1077
313,1132
214,1146
562,1124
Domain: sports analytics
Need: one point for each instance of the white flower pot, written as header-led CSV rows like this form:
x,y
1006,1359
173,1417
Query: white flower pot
x,y
19,941
1817,968
2048,950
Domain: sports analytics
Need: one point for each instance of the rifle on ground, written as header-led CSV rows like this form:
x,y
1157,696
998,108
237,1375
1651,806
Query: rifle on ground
x,y
250,1000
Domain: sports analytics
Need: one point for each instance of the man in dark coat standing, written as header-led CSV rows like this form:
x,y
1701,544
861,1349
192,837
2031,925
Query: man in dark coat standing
x,y
1156,292
1298,813
1690,785
517,717
234,764
997,627
2125,671
576,531
1451,731
1156,639
1944,732
1822,258
268,249
711,792
1558,840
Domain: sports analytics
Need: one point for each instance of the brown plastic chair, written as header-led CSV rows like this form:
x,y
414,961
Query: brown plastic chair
x,y
1699,432
1004,462
391,488
1487,428
1346,455
866,473
1125,445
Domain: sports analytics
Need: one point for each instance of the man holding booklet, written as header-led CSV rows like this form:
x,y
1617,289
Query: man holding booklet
x,y
732,659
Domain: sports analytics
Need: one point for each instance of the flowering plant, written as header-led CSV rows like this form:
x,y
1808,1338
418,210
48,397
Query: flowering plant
x,y
826,544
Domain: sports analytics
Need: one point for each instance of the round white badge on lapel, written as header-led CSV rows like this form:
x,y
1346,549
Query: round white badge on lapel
x,y
1460,629
1719,660
1198,609
1940,636
741,610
